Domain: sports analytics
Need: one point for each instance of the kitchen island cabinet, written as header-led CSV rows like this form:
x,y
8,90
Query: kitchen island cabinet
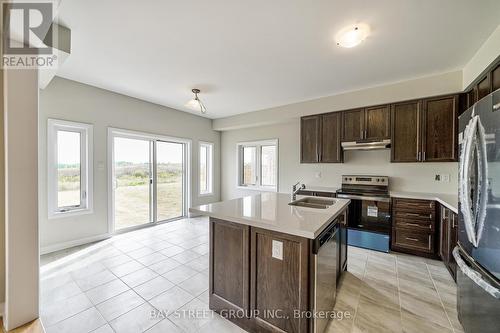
x,y
266,272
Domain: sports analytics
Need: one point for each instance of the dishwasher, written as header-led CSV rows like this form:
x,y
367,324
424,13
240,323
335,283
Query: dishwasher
x,y
326,250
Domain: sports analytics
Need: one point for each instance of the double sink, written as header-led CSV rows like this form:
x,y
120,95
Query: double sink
x,y
310,202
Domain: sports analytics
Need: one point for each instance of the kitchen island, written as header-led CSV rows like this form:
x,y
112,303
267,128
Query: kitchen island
x,y
273,265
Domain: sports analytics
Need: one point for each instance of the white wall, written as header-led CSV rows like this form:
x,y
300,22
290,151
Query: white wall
x,y
422,87
486,54
415,177
21,196
69,100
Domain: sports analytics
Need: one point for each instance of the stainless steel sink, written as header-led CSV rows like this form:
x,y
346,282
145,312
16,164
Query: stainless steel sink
x,y
313,203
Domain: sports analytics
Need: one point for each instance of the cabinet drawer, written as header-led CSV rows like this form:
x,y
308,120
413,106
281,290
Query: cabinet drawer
x,y
417,225
414,204
412,240
416,215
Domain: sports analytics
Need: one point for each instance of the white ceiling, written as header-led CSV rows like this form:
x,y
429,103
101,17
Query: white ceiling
x,y
252,55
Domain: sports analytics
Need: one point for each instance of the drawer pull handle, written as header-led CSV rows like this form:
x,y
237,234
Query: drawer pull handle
x,y
430,216
412,239
412,214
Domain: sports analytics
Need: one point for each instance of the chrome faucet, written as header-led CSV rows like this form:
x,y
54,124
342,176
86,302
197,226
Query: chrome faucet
x,y
296,188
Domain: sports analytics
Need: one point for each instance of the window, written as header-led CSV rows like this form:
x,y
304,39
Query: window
x,y
258,165
69,168
206,168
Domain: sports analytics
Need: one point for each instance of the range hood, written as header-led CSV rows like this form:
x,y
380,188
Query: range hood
x,y
363,145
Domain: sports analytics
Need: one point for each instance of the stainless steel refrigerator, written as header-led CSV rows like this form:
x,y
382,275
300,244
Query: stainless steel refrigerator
x,y
478,251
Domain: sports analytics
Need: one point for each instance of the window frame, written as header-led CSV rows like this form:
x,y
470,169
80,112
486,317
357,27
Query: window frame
x,y
210,168
258,171
86,168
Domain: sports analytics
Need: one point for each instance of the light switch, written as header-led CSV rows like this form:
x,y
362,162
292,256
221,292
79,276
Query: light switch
x,y
278,250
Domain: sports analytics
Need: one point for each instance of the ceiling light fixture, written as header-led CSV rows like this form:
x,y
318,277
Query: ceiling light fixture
x,y
195,103
353,35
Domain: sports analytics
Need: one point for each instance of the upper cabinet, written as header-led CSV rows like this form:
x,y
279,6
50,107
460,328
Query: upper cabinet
x,y
495,78
368,124
405,141
309,139
320,138
353,127
420,131
377,123
331,128
425,130
439,129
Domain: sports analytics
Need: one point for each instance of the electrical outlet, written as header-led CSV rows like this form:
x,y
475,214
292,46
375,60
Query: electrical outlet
x,y
278,250
318,175
437,178
445,178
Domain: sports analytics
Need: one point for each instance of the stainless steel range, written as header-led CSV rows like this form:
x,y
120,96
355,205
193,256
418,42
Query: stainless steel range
x,y
369,218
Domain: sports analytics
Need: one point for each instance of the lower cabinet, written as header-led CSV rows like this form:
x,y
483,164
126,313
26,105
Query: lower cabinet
x,y
448,239
279,284
414,226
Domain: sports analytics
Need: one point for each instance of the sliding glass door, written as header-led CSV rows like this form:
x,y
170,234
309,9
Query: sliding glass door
x,y
133,191
148,179
170,180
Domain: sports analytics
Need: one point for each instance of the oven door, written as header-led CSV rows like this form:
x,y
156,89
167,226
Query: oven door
x,y
369,213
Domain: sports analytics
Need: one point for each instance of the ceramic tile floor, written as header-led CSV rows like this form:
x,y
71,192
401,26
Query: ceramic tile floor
x,y
118,285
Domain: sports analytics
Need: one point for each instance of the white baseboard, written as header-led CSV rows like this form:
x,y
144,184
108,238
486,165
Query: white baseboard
x,y
76,242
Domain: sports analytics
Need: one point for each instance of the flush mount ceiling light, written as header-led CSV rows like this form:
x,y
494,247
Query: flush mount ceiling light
x,y
195,103
353,35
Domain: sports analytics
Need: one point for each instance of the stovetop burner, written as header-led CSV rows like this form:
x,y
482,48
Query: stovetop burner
x,y
365,185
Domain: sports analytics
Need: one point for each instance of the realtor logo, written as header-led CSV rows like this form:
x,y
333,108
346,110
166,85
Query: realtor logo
x,y
27,35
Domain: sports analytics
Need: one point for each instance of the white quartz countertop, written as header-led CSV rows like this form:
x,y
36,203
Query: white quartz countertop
x,y
321,189
271,211
448,200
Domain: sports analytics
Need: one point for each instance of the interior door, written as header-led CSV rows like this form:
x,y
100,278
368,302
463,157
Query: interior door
x,y
132,182
170,180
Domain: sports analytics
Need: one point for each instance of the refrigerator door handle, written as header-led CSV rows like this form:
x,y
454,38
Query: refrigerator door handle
x,y
474,213
474,275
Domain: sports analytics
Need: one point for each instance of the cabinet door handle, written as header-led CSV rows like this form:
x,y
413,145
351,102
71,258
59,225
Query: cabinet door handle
x,y
430,216
418,156
423,158
412,214
412,239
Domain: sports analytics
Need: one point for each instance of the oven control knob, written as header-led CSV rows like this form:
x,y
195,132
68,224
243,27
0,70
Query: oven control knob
x,y
378,179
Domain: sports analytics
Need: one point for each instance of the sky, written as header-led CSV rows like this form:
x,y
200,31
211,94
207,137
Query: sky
x,y
137,151
126,150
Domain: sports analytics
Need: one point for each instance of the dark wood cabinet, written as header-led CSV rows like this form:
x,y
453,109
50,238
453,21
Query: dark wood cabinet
x,y
279,284
448,239
230,293
495,78
414,226
353,125
320,138
425,130
439,129
309,139
405,132
331,127
484,87
367,124
377,123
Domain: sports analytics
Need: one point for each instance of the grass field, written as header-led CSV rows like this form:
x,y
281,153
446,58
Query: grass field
x,y
132,194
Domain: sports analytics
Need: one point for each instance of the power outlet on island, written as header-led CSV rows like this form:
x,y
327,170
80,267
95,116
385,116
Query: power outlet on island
x,y
442,178
278,250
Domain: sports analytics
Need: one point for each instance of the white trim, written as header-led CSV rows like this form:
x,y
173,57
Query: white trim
x,y
73,243
124,133
86,164
239,162
210,167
